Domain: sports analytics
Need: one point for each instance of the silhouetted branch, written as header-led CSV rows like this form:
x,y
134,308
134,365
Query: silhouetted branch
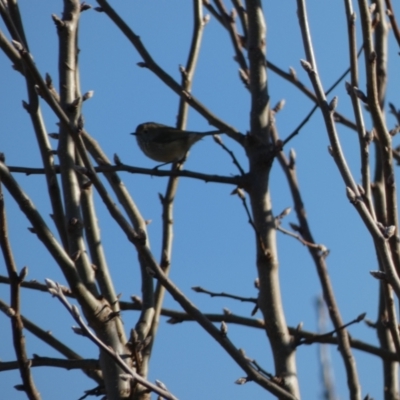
x,y
55,290
230,180
199,289
15,310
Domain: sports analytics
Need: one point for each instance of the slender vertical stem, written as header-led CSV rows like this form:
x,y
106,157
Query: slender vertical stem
x,y
260,153
311,67
167,200
16,318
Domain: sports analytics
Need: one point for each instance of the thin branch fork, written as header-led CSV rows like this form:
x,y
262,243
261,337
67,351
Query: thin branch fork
x,y
229,23
316,246
322,336
55,290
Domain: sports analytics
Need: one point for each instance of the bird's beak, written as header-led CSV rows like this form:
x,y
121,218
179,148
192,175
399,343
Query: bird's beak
x,y
133,133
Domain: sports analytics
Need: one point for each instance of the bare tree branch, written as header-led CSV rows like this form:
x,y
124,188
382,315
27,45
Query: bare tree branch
x,y
15,310
311,67
73,310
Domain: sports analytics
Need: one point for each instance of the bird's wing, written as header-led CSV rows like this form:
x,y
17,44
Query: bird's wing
x,y
168,135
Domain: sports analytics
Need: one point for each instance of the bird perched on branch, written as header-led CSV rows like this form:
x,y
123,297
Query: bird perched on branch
x,y
164,143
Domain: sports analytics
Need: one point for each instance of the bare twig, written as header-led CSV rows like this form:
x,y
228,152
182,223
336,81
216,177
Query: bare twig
x,y
167,201
331,333
337,116
243,17
107,168
241,194
55,290
38,361
44,234
229,23
320,247
11,52
235,161
393,21
33,284
374,96
49,339
14,23
199,289
213,11
364,141
391,316
15,310
311,67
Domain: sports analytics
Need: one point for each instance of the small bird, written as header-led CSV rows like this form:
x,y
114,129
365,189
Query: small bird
x,y
164,143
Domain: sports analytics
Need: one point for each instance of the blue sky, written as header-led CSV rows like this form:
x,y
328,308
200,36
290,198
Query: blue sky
x,y
213,242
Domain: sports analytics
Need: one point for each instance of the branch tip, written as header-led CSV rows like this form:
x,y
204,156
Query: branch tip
x,y
85,7
381,275
117,160
333,104
88,95
361,317
293,74
58,22
18,46
223,328
23,274
307,66
279,106
241,381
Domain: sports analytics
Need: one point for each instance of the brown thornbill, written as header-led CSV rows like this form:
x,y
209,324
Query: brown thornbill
x,y
164,143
